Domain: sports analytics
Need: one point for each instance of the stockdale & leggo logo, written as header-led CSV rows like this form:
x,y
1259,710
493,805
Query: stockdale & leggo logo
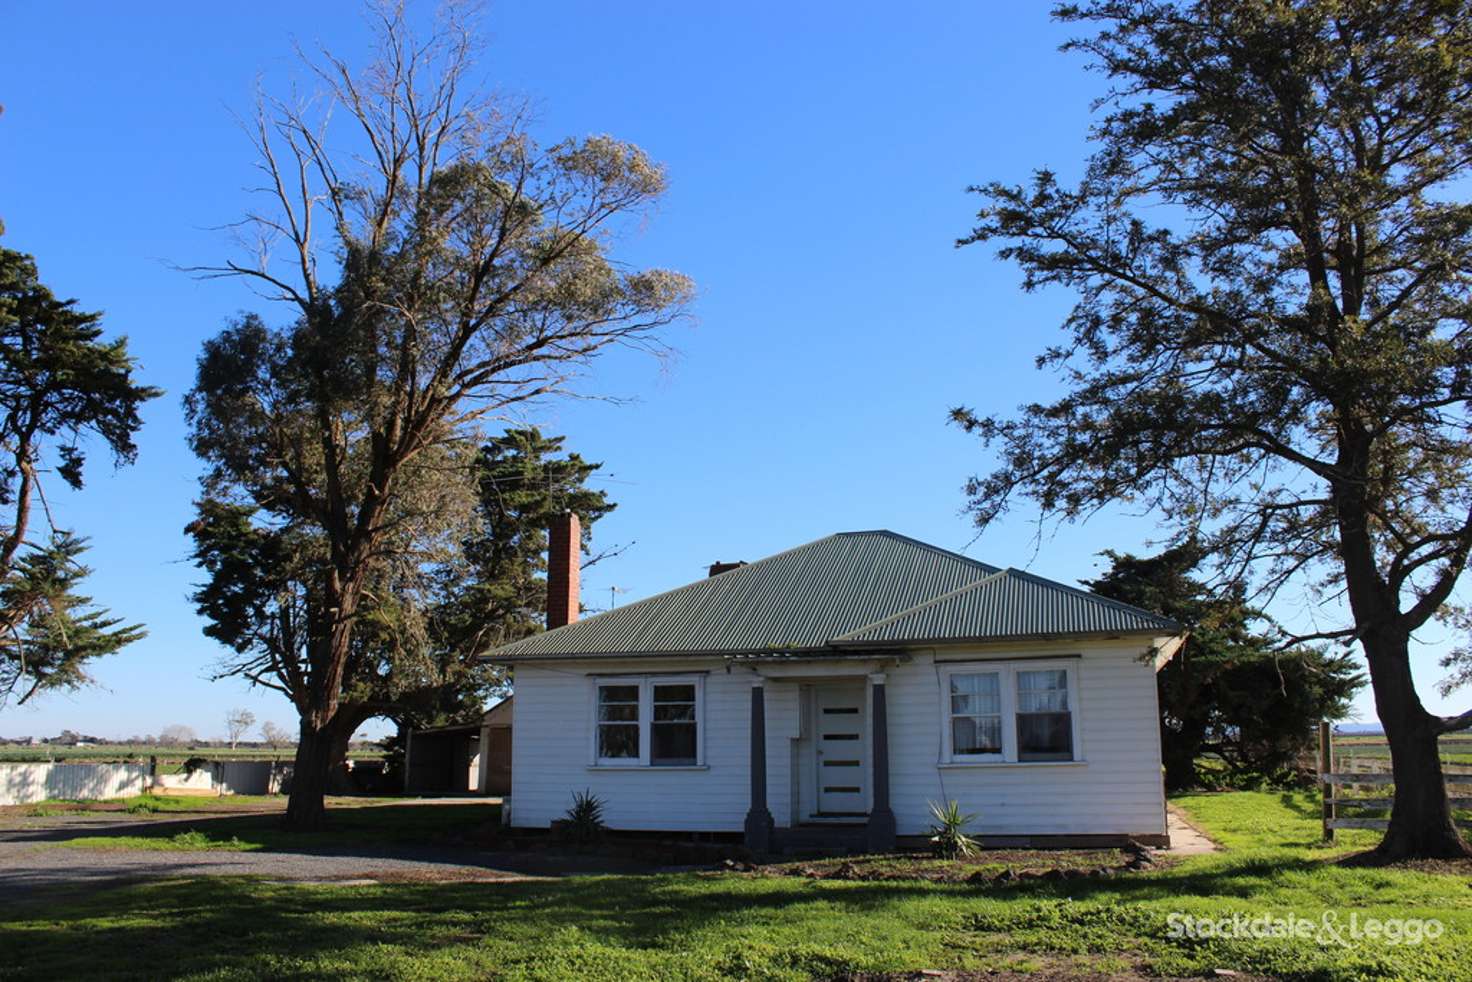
x,y
1329,928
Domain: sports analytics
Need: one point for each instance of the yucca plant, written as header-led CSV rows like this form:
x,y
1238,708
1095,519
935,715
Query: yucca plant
x,y
584,820
948,838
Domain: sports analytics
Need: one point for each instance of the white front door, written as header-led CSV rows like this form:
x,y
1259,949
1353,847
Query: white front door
x,y
842,748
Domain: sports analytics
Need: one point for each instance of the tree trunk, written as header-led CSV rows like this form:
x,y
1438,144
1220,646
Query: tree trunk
x,y
306,810
311,776
1421,821
339,779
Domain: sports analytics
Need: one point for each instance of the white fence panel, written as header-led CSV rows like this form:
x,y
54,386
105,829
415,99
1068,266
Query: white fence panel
x,y
23,784
254,776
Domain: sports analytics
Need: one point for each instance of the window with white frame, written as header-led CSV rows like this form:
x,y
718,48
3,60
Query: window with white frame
x,y
1044,722
673,726
1009,712
976,714
648,721
618,722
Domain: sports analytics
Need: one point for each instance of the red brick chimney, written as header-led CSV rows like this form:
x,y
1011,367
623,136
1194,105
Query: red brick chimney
x,y
564,564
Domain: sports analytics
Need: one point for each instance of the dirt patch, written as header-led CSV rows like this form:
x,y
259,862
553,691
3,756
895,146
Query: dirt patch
x,y
988,866
1372,860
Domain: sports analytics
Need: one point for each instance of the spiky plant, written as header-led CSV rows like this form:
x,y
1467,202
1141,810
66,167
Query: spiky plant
x,y
948,838
585,818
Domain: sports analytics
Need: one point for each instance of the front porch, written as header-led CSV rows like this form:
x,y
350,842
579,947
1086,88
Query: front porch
x,y
839,757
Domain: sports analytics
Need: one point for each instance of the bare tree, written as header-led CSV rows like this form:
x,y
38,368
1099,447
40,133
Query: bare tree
x,y
275,736
443,269
237,721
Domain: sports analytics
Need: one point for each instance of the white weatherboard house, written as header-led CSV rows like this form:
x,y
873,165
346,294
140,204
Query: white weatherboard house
x,y
835,690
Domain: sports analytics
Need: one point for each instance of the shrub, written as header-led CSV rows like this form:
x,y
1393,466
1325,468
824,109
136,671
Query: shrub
x,y
948,838
584,820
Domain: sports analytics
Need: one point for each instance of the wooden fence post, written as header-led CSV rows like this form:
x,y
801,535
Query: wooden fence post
x,y
1326,768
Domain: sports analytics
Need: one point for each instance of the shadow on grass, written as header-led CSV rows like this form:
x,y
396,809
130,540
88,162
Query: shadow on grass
x,y
238,926
346,827
1300,804
227,926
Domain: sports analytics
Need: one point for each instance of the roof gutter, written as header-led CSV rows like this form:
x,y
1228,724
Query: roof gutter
x,y
1013,638
831,650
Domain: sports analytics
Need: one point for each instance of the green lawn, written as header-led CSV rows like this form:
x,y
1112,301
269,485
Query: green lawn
x,y
708,926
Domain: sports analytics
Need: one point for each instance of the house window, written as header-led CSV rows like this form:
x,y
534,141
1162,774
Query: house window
x,y
976,714
1044,723
618,722
672,727
1009,712
653,722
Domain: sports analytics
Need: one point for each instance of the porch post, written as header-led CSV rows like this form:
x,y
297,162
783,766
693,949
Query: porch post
x,y
483,778
881,831
758,818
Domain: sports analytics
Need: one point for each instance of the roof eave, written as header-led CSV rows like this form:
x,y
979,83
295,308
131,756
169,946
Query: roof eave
x,y
1010,638
609,655
835,648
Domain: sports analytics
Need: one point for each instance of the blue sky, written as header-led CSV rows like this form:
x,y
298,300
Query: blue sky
x,y
817,158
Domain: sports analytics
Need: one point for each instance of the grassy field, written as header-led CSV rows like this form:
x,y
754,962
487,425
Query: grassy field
x,y
1456,748
709,926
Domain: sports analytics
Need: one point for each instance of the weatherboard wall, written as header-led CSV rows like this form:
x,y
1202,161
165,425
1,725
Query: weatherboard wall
x,y
1115,789
553,746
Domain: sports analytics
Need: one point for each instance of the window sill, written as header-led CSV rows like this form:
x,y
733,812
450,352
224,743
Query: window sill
x,y
958,764
646,768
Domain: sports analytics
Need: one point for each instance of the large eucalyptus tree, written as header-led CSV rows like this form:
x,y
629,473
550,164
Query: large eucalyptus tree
x,y
439,268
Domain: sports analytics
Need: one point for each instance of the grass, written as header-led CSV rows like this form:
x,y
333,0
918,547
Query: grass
x,y
152,804
710,926
192,840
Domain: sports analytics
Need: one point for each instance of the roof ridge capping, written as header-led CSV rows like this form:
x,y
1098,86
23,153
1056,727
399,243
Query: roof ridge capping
x,y
931,547
1165,623
1096,597
949,595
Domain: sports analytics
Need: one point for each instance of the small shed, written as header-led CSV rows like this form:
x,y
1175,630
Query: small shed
x,y
468,758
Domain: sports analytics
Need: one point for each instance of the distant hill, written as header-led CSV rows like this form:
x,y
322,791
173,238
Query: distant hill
x,y
1359,729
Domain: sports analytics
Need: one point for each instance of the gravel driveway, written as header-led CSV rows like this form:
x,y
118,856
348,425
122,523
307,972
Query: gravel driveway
x,y
30,859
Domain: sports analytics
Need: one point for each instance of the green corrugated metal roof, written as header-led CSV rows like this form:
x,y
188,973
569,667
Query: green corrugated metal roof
x,y
849,590
1009,604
